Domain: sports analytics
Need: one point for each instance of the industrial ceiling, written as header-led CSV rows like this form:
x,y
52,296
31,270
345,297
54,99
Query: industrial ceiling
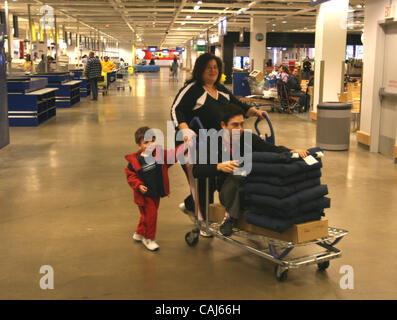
x,y
171,23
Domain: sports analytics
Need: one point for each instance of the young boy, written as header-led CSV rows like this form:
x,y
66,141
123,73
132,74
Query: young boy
x,y
149,179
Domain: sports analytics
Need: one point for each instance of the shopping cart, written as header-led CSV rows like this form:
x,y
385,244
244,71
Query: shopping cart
x,y
122,79
274,250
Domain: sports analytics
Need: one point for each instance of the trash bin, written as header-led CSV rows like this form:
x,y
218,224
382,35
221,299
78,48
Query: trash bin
x,y
333,125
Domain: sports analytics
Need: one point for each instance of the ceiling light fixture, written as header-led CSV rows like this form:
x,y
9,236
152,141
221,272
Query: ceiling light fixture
x,y
359,6
196,7
284,21
199,2
188,17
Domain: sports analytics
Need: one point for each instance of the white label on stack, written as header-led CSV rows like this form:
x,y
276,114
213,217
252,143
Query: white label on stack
x,y
310,160
295,155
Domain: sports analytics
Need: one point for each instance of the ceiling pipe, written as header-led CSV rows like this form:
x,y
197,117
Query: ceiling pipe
x,y
183,3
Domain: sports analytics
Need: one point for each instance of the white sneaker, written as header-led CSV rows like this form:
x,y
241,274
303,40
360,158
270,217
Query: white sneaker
x,y
137,237
150,244
205,234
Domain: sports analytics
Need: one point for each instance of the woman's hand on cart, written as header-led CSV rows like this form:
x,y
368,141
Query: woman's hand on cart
x,y
302,153
188,133
253,112
228,166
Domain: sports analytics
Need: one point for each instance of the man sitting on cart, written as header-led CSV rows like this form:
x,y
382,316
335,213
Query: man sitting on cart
x,y
228,176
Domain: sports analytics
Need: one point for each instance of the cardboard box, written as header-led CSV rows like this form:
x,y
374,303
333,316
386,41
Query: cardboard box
x,y
257,75
217,212
298,233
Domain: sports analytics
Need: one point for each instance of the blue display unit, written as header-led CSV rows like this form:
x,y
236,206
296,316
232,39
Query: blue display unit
x,y
68,93
85,89
32,108
147,68
25,84
240,84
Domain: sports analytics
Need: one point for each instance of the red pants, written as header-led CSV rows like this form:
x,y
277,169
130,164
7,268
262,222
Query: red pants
x,y
148,222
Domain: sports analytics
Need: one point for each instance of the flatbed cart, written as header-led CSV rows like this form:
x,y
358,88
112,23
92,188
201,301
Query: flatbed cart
x,y
259,101
275,250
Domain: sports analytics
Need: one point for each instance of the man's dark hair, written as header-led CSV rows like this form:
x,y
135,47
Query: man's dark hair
x,y
201,64
140,134
229,111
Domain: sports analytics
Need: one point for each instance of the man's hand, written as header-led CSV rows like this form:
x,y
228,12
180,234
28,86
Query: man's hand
x,y
228,166
142,189
302,153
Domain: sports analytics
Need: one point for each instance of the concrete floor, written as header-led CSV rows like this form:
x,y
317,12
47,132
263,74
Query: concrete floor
x,y
65,203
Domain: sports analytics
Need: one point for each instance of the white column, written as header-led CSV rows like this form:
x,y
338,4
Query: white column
x,y
331,32
372,72
258,48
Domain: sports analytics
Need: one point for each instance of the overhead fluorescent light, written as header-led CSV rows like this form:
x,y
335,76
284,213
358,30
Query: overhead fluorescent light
x,y
199,2
188,17
359,6
196,7
183,23
284,21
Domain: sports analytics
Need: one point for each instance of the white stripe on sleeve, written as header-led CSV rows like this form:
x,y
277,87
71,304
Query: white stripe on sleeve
x,y
178,100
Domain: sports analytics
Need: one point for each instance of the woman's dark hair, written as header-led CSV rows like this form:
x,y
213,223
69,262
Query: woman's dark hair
x,y
285,69
201,64
229,111
28,58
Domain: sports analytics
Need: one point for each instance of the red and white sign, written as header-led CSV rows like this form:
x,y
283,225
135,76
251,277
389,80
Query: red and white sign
x,y
390,12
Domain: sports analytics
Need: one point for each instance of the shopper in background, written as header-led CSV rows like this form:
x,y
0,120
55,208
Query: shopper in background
x,y
307,67
107,65
122,64
293,84
27,65
93,71
284,73
203,96
41,66
84,60
174,69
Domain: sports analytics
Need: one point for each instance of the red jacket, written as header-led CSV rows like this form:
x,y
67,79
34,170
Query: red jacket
x,y
134,180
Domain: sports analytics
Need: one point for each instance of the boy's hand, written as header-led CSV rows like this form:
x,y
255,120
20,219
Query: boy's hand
x,y
142,189
228,166
302,153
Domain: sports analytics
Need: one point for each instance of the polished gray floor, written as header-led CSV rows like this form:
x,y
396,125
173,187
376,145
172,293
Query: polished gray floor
x,y
64,202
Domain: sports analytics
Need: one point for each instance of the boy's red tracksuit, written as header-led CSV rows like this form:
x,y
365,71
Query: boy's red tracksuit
x,y
148,206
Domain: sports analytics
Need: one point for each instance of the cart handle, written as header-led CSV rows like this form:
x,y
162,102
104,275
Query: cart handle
x,y
197,121
270,139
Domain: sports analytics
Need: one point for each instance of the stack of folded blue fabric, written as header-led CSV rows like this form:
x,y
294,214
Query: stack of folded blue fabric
x,y
282,191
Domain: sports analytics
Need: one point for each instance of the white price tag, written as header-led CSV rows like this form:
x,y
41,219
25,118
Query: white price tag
x,y
310,160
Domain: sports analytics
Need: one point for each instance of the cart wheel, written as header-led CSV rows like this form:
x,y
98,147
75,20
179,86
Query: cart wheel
x,y
323,266
281,273
191,239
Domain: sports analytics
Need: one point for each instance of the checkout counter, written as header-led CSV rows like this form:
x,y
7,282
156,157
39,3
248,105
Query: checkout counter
x,y
30,103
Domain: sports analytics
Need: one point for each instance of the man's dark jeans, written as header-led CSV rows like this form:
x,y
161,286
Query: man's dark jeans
x,y
94,87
